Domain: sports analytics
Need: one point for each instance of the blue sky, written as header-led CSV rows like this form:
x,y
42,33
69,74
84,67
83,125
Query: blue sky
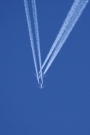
x,y
63,106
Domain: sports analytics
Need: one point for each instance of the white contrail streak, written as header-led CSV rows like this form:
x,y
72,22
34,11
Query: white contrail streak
x,y
76,14
72,10
31,36
34,8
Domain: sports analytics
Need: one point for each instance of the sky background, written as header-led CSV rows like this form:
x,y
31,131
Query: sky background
x,y
63,106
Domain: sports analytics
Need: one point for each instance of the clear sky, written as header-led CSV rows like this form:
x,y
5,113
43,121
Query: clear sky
x,y
63,106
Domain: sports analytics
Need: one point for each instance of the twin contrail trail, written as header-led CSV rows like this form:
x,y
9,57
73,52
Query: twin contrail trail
x,y
81,4
31,36
37,36
72,10
68,25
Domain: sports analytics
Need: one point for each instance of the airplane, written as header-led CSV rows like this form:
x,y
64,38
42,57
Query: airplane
x,y
41,86
39,78
42,76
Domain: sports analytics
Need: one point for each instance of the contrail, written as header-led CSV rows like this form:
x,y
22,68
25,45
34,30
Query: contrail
x,y
72,10
31,36
34,8
76,14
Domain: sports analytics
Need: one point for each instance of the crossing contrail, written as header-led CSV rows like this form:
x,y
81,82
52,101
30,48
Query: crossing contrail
x,y
72,10
31,36
34,8
72,21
